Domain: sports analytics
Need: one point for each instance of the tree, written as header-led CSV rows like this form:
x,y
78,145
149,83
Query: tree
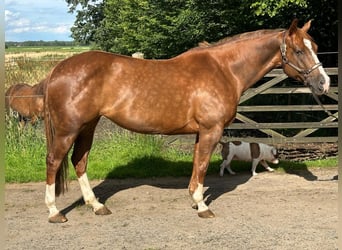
x,y
162,29
88,18
157,29
273,7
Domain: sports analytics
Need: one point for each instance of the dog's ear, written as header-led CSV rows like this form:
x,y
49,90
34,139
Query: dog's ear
x,y
274,151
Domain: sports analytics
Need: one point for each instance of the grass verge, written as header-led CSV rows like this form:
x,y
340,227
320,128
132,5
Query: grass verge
x,y
118,154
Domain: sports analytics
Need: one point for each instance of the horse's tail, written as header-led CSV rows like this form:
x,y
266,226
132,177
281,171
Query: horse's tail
x,y
222,143
7,102
8,97
62,173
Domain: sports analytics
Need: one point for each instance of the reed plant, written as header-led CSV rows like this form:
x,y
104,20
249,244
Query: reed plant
x,y
28,70
24,152
32,64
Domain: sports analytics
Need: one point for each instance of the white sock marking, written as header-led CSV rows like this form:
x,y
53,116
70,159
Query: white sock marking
x,y
50,200
88,194
198,198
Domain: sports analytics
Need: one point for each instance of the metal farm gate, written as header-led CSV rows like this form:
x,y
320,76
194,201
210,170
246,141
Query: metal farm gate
x,y
291,131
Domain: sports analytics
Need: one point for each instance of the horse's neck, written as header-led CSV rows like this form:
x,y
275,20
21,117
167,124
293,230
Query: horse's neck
x,y
254,59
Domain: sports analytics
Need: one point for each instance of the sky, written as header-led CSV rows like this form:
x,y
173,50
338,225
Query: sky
x,y
34,20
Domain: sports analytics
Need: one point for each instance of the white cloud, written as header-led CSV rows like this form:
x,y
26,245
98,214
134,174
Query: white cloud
x,y
63,28
13,20
25,19
9,15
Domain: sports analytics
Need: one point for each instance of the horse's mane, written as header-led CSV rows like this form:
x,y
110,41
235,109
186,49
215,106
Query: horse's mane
x,y
238,37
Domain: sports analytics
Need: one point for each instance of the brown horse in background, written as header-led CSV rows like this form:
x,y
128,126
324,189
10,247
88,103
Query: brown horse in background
x,y
27,100
196,92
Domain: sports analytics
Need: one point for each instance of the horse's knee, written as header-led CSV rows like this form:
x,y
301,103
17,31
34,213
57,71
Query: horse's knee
x,y
50,158
50,163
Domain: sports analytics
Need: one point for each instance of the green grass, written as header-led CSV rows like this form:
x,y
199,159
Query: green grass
x,y
52,49
24,153
118,154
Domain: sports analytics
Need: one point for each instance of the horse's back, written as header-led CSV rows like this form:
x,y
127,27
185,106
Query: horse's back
x,y
137,94
124,89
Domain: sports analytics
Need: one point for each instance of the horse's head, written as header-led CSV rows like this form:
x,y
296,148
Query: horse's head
x,y
300,61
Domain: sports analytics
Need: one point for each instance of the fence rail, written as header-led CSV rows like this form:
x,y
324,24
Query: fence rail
x,y
271,130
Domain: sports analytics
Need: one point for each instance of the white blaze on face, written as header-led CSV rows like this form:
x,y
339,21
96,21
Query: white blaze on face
x,y
326,85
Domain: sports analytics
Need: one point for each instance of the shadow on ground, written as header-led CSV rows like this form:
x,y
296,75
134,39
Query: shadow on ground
x,y
111,185
178,176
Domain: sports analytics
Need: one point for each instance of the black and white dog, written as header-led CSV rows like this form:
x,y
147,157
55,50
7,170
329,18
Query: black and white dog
x,y
245,151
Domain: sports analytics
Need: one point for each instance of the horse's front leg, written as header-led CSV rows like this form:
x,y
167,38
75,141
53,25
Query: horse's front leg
x,y
206,142
89,196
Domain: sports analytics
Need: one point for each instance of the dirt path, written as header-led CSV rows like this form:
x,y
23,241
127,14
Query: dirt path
x,y
269,211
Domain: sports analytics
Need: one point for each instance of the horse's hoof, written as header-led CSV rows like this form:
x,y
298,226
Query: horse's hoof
x,y
58,218
194,206
103,211
206,214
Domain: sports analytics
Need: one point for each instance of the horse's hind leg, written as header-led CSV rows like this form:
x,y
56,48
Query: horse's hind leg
x,y
56,162
79,159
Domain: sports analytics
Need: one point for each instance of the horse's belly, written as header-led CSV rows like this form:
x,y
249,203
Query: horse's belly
x,y
148,112
154,124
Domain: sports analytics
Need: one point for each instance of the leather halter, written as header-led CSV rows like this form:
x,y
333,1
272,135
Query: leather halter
x,y
304,72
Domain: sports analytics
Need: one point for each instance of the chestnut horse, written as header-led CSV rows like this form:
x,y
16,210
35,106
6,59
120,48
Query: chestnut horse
x,y
27,100
196,92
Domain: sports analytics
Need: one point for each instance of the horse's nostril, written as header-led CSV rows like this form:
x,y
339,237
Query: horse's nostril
x,y
321,84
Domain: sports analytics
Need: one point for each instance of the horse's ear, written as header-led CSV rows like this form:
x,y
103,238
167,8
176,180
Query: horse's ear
x,y
307,26
293,28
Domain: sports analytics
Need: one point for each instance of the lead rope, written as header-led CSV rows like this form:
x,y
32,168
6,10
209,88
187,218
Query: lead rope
x,y
320,103
304,72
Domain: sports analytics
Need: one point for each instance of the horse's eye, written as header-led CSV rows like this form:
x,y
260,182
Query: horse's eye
x,y
299,52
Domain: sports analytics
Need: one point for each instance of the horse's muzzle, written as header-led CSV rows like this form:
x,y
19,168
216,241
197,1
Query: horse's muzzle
x,y
319,85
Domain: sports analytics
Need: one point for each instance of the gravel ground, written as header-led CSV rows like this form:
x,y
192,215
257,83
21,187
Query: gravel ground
x,y
268,211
